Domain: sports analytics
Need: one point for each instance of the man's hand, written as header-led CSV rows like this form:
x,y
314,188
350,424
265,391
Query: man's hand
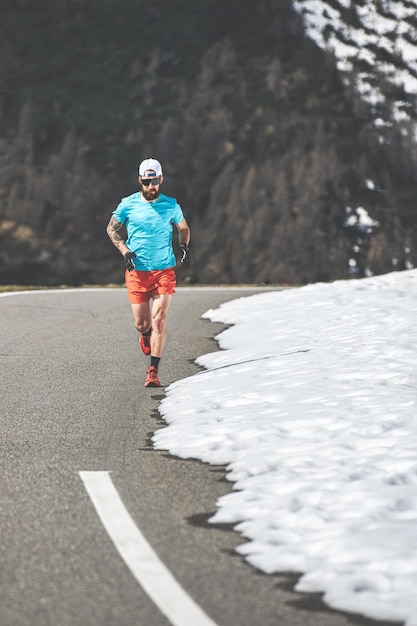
x,y
128,256
184,251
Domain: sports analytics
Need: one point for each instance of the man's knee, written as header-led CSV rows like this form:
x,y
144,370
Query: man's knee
x,y
142,325
141,317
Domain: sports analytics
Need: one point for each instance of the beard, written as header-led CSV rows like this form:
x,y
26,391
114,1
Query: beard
x,y
150,194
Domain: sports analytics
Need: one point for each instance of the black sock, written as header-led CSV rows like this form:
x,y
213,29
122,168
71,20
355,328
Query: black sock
x,y
155,361
148,332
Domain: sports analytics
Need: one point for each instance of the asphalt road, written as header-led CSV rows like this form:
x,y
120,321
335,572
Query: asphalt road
x,y
72,400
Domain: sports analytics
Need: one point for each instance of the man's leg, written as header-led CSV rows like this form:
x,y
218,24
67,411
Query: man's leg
x,y
158,338
159,318
145,319
142,316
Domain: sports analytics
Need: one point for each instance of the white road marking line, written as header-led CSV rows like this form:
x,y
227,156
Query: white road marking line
x,y
179,288
143,562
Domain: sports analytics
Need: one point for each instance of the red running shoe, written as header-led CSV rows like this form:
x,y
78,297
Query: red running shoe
x,y
145,343
152,379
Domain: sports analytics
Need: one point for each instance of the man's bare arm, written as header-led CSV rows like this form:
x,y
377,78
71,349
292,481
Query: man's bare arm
x,y
184,232
113,228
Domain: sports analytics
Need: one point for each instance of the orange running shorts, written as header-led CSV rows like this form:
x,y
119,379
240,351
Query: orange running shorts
x,y
142,286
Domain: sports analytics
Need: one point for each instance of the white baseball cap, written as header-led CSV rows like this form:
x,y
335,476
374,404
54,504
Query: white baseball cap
x,y
148,166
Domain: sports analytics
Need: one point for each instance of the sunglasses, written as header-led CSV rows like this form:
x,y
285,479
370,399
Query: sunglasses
x,y
147,181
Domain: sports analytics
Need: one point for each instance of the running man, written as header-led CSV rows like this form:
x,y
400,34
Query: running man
x,y
149,258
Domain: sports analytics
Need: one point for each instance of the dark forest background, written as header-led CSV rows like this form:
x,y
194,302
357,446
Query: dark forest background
x,y
261,142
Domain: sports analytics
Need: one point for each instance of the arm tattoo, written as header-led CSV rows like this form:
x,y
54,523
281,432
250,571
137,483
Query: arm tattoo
x,y
113,232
